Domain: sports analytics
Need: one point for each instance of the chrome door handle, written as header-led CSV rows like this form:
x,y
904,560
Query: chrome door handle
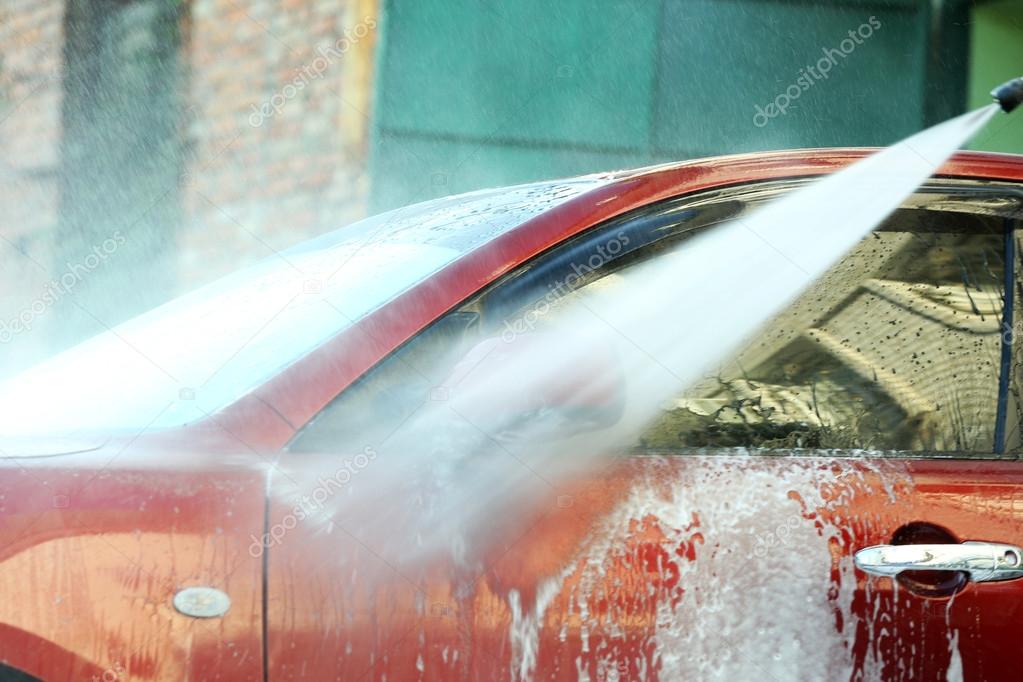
x,y
983,561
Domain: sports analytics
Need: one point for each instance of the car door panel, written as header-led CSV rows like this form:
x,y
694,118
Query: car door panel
x,y
667,567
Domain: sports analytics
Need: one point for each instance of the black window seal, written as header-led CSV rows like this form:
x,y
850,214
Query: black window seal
x,y
1008,316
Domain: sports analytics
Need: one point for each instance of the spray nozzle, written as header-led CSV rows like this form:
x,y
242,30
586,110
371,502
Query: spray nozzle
x,y
1009,95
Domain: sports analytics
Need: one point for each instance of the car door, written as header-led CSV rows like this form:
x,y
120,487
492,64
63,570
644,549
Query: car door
x,y
879,409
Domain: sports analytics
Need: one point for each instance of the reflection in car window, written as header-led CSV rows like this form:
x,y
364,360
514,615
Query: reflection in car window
x,y
896,348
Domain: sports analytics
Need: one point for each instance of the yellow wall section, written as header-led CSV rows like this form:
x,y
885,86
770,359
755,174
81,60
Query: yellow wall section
x,y
996,55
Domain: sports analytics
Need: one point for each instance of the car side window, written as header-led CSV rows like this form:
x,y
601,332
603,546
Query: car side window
x,y
898,348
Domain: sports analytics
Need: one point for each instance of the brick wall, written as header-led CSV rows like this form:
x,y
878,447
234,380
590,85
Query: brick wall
x,y
31,39
275,96
279,100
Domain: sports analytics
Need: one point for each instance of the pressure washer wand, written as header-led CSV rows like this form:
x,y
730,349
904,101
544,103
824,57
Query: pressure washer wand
x,y
1009,95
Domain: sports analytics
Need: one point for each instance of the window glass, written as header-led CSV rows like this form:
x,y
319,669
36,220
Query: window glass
x,y
897,348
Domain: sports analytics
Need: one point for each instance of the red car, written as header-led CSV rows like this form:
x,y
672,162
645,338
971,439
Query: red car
x,y
167,488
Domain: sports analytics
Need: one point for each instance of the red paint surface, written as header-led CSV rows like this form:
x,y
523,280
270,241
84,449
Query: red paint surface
x,y
391,620
93,548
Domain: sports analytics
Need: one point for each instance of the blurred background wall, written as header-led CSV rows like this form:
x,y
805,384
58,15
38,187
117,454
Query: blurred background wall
x,y
149,146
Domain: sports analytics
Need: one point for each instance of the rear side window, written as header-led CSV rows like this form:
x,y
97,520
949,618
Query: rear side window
x,y
903,346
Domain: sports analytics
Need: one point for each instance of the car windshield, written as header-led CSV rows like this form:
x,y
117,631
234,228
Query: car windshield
x,y
196,355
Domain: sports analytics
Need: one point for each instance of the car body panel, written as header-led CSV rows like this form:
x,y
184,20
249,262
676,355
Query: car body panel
x,y
95,545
